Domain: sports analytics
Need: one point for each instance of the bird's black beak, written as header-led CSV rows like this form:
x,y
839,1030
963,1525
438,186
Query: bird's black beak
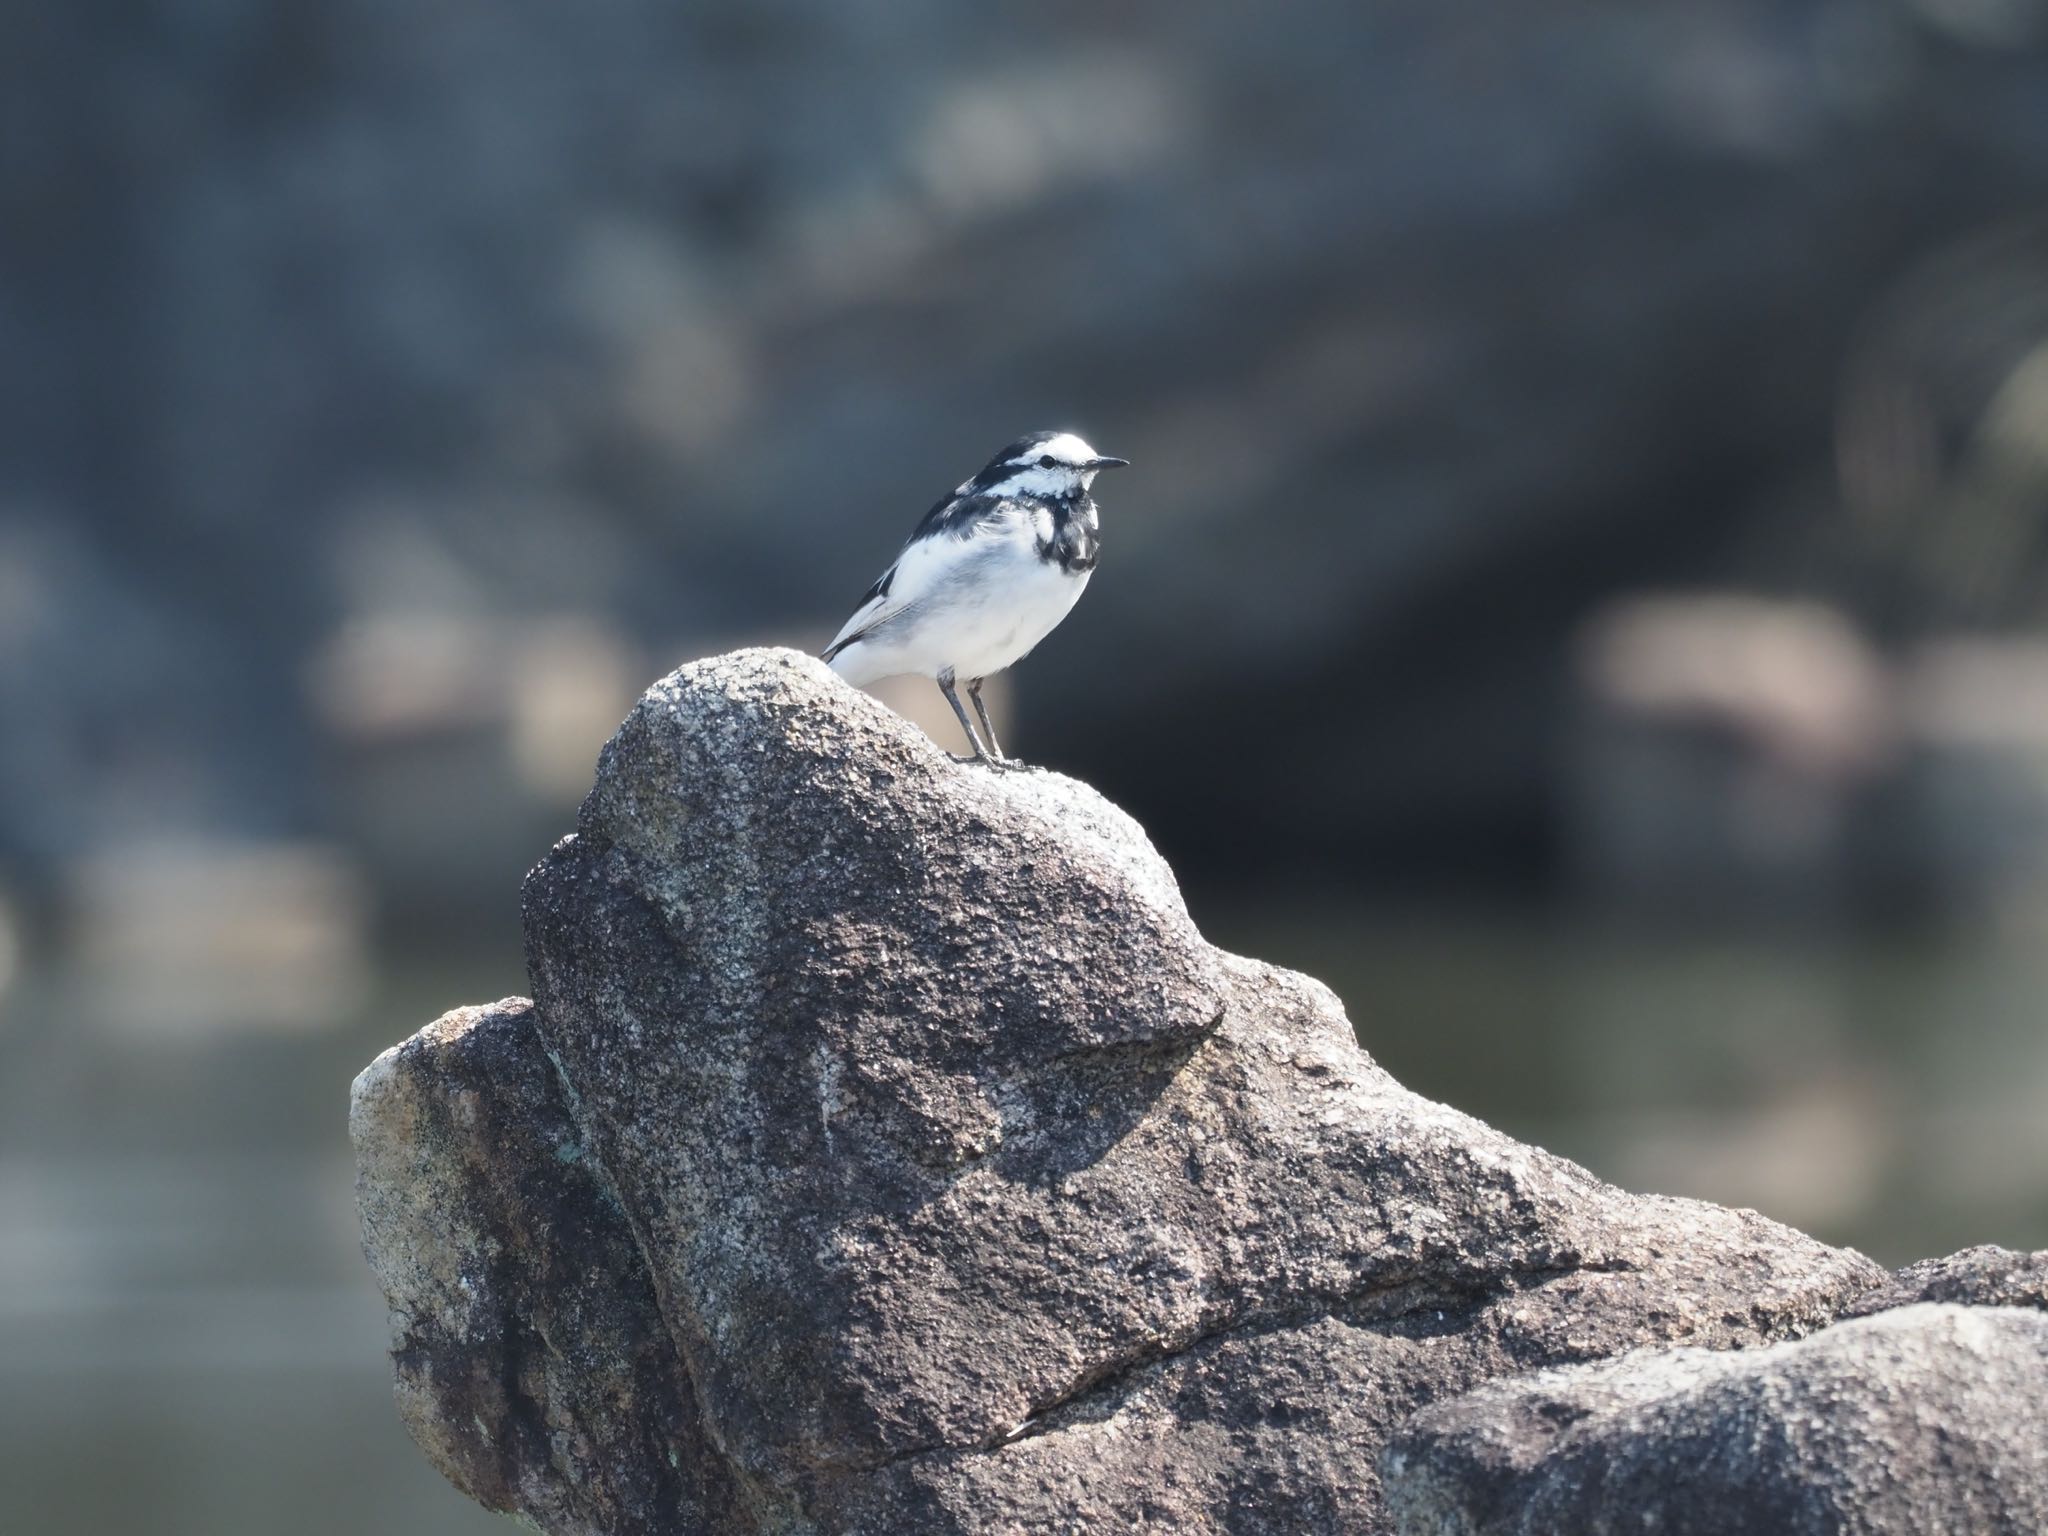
x,y
1104,461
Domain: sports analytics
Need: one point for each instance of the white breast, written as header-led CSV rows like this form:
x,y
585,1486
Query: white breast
x,y
1024,604
971,605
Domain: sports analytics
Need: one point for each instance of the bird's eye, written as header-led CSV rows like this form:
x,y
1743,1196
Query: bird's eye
x,y
1046,461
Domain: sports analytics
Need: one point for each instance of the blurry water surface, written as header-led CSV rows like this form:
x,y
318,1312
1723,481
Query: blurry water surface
x,y
190,1341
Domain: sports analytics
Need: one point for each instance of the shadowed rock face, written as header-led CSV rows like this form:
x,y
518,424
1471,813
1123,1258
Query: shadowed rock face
x,y
1923,1419
533,1365
885,1150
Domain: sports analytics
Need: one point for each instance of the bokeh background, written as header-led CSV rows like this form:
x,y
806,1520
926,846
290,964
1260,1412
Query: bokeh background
x,y
1581,589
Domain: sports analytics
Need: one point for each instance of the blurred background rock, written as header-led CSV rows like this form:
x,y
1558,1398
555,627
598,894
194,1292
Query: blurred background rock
x,y
1581,592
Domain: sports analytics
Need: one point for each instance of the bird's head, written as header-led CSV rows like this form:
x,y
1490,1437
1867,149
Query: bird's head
x,y
1055,464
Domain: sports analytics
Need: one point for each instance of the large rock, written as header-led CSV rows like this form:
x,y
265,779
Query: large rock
x,y
885,1150
1923,1419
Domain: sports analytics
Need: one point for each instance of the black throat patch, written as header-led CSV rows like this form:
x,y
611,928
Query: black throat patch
x,y
1074,546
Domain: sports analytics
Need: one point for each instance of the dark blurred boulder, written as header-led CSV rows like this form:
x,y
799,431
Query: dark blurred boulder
x,y
1926,1418
1426,327
1742,761
885,1150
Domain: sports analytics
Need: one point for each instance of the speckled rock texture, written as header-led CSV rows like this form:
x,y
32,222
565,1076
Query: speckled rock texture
x,y
1925,1419
1985,1276
884,1150
533,1366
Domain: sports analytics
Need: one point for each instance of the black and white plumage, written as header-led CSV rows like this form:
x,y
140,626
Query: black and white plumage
x,y
988,573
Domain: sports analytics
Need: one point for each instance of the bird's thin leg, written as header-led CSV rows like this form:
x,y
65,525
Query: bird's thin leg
x,y
945,682
981,711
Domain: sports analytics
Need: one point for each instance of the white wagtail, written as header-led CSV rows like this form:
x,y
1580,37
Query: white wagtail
x,y
988,573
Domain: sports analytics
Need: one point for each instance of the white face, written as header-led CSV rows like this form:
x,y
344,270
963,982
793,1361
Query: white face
x,y
1055,468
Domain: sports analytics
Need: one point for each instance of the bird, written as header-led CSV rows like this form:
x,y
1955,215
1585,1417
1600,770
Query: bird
x,y
986,574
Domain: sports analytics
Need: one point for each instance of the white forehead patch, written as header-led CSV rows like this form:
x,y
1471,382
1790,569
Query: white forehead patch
x,y
1023,475
1066,448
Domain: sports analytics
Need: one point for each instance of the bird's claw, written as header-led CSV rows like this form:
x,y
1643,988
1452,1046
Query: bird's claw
x,y
993,764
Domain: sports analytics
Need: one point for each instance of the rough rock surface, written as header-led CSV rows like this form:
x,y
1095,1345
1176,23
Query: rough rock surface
x,y
533,1366
1927,1418
1986,1276
885,1150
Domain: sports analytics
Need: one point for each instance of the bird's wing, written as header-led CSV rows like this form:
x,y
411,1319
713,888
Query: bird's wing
x,y
874,608
931,551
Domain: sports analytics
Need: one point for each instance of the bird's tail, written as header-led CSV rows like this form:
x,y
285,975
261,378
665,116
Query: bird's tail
x,y
852,661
